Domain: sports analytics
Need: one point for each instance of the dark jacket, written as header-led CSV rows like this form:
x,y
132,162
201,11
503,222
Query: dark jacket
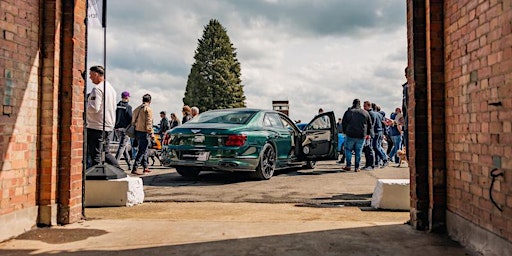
x,y
405,102
356,123
373,119
379,125
186,118
123,115
164,125
173,123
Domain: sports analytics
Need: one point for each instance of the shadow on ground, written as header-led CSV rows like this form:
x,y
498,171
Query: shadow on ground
x,y
204,179
380,240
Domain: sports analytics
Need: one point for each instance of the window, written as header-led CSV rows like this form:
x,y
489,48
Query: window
x,y
321,123
272,120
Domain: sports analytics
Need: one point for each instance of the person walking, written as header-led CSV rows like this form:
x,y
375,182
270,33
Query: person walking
x,y
341,149
369,153
356,125
123,119
396,134
101,114
381,159
143,120
164,124
405,103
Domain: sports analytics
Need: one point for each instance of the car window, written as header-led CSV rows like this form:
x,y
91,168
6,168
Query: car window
x,y
272,120
227,117
286,123
266,121
320,123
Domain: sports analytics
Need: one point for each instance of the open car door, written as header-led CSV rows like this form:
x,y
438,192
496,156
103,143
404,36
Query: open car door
x,y
320,138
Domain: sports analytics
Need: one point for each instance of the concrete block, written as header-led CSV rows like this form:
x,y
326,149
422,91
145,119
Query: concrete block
x,y
127,191
392,194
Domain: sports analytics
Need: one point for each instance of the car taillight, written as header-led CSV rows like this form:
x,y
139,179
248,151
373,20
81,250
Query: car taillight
x,y
166,139
236,140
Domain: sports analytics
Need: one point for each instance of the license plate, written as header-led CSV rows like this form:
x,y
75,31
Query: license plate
x,y
199,139
203,156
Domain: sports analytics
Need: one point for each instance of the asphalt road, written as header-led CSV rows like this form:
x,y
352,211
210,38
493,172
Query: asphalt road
x,y
326,185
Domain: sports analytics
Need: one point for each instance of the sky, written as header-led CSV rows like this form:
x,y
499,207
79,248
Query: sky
x,y
315,54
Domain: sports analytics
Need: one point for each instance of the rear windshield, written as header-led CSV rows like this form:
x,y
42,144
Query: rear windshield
x,y
226,117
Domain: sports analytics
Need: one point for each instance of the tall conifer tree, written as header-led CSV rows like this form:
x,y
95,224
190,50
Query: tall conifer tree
x,y
214,81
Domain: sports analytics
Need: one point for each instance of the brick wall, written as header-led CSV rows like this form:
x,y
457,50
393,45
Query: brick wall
x,y
42,56
478,76
71,113
19,64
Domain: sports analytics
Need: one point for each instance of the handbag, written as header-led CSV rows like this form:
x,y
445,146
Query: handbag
x,y
130,129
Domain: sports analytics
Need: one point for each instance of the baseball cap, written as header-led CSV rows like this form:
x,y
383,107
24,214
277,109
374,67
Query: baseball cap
x,y
125,94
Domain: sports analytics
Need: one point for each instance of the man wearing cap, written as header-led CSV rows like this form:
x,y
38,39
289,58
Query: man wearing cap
x,y
123,119
99,102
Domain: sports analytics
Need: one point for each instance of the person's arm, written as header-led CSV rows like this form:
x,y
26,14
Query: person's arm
x,y
368,125
149,121
95,100
166,125
129,112
344,122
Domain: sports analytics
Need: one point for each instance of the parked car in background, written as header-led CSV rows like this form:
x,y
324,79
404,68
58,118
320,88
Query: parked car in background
x,y
250,140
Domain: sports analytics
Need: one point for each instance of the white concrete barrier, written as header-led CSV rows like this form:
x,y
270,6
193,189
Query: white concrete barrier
x,y
127,191
392,194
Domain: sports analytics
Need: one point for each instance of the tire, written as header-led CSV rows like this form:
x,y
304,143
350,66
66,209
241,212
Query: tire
x,y
187,171
310,164
267,163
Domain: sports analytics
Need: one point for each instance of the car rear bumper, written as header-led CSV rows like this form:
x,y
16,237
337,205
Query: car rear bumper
x,y
217,161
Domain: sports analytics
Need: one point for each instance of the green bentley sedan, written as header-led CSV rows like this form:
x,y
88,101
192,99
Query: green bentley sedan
x,y
250,140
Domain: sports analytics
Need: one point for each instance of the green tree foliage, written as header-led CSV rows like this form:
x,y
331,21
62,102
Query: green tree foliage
x,y
214,81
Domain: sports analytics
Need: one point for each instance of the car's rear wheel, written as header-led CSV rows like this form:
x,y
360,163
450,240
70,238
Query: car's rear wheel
x,y
310,164
187,171
267,163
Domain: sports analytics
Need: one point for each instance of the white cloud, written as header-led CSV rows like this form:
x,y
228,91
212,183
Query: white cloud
x,y
314,54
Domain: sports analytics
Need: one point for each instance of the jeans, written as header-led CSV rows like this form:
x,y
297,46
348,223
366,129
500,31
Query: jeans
x,y
397,143
123,146
94,146
143,139
369,155
355,144
377,147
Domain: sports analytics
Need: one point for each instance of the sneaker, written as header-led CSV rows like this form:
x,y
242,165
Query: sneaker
x,y
135,171
384,164
357,170
346,168
367,168
146,170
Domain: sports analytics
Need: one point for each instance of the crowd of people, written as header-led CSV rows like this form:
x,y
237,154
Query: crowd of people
x,y
365,128
105,120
